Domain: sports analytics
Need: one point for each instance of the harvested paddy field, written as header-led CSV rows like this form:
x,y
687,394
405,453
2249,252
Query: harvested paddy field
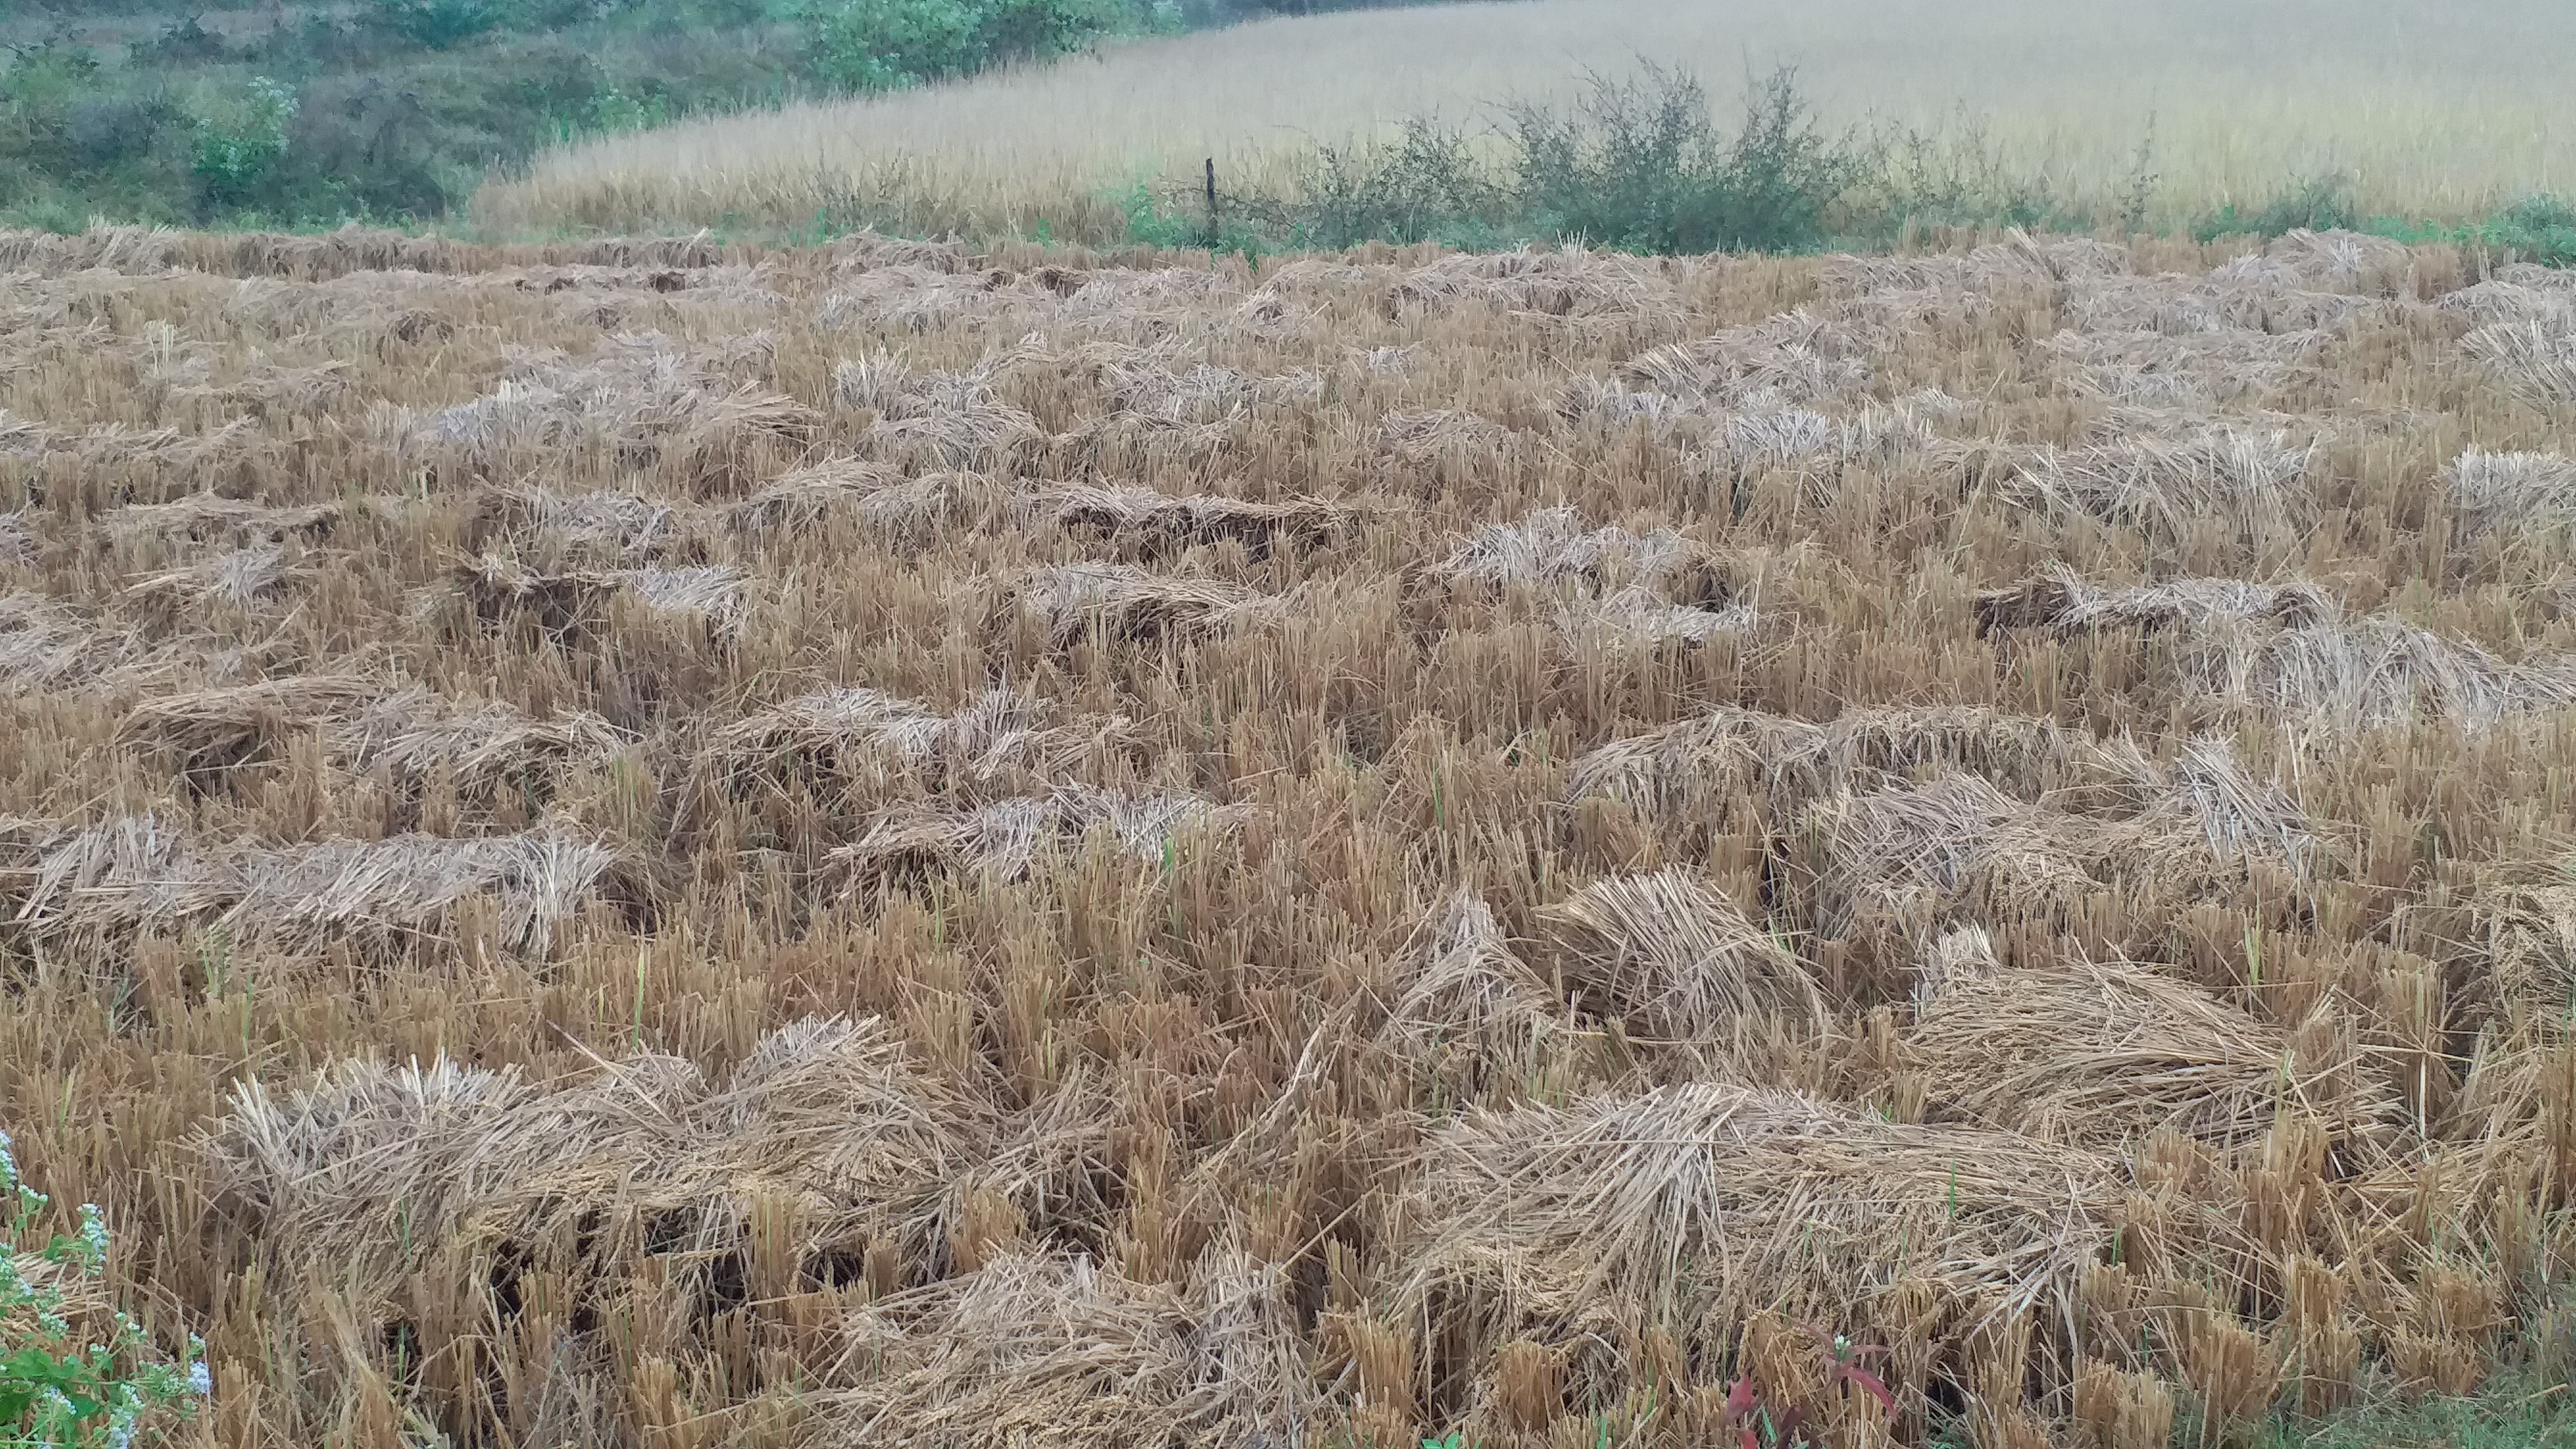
x,y
642,844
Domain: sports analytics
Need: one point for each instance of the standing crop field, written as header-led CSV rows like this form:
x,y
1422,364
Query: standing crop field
x,y
2162,113
655,846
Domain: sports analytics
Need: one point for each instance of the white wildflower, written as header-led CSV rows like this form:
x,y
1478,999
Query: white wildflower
x,y
93,1236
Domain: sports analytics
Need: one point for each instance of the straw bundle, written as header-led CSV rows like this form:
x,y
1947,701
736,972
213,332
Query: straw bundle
x,y
1676,960
443,1199
2535,359
1572,282
903,514
2508,299
2209,368
577,601
2239,816
2337,258
413,734
1073,602
2514,493
1418,438
2368,672
1731,753
1002,840
1795,437
1705,1203
410,734
1037,1350
124,460
1204,394
1551,547
2019,260
1159,521
2065,604
136,873
1635,618
2100,1055
2520,946
210,518
1793,359
43,644
1618,405
910,297
219,729
1900,853
844,729
642,405
1459,988
2255,485
948,420
242,577
278,391
616,523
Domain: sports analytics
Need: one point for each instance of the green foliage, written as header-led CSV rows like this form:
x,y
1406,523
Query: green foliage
x,y
389,111
1427,186
1636,165
185,42
1953,176
876,45
437,24
2517,1409
444,24
1641,166
2536,229
238,148
58,1390
2320,203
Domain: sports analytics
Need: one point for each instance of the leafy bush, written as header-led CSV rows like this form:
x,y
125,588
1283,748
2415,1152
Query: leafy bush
x,y
237,150
1636,165
58,1390
1427,186
1641,166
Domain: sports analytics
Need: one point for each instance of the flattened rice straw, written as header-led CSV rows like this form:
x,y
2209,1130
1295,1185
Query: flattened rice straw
x,y
1704,1203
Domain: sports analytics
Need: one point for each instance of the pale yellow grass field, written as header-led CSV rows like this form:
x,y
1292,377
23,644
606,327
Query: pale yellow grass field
x,y
2432,109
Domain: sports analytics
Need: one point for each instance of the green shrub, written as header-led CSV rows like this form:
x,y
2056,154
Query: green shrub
x,y
1636,165
185,41
875,45
437,24
1427,186
2536,229
239,148
1950,176
1641,166
57,1389
2322,203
